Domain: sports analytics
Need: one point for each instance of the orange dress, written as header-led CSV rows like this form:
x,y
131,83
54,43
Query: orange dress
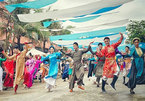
x,y
110,66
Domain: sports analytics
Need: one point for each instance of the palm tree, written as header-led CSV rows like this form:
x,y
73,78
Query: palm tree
x,y
44,38
6,24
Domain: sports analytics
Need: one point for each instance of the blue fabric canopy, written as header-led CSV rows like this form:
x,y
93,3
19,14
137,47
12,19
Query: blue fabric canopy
x,y
121,48
103,10
106,9
48,23
33,4
80,36
84,19
1,0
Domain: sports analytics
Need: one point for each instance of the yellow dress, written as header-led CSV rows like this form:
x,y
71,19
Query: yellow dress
x,y
20,65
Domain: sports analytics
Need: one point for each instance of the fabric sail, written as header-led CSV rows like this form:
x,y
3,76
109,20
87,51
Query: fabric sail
x,y
33,4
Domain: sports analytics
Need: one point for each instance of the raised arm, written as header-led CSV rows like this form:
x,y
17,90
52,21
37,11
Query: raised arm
x,y
68,54
94,53
45,58
86,50
100,53
119,41
117,51
129,54
9,57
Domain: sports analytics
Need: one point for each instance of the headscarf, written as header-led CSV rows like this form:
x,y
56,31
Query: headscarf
x,y
51,47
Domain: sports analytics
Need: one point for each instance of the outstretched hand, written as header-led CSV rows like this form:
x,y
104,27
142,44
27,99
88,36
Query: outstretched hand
x,y
91,42
120,33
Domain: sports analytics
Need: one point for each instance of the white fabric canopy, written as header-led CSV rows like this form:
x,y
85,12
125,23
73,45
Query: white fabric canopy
x,y
34,51
84,42
133,11
119,23
65,4
103,26
71,12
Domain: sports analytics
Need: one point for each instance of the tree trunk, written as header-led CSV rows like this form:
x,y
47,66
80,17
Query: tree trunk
x,y
44,43
18,42
13,41
6,41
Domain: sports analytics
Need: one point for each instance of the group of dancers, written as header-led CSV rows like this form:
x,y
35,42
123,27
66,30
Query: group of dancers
x,y
106,66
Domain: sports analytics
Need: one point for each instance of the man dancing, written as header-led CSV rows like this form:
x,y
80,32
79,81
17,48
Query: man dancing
x,y
100,64
78,70
110,69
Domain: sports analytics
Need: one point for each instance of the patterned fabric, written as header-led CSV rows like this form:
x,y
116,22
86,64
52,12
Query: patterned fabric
x,y
110,66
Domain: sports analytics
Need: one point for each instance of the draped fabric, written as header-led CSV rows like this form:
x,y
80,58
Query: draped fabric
x,y
105,9
83,39
33,4
1,0
93,27
83,19
71,12
132,11
87,35
86,41
48,23
76,20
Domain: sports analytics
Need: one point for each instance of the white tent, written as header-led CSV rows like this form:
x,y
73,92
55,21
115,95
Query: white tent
x,y
34,51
